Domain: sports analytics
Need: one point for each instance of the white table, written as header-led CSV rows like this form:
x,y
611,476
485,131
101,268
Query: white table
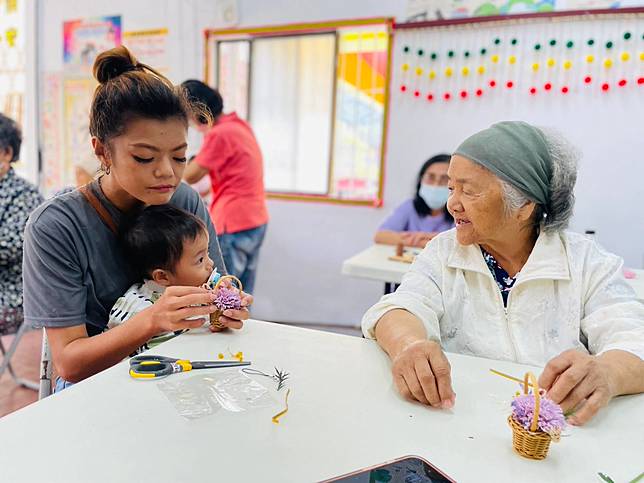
x,y
344,414
374,264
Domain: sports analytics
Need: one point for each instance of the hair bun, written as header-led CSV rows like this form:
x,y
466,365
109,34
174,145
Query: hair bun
x,y
112,63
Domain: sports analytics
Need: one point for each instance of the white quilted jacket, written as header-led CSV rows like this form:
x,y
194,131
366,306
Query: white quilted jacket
x,y
570,294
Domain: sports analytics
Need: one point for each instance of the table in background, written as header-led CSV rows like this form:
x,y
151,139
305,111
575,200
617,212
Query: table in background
x,y
344,414
374,264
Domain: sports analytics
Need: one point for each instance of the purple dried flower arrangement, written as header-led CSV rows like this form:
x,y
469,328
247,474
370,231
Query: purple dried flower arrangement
x,y
228,298
551,418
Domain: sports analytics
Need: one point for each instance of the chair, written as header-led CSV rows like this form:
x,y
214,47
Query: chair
x,y
45,368
8,354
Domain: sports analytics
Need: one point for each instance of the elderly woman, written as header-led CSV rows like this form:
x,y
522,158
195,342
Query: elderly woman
x,y
18,198
511,283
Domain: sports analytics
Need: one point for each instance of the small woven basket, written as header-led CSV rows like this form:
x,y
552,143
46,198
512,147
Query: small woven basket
x,y
214,317
533,444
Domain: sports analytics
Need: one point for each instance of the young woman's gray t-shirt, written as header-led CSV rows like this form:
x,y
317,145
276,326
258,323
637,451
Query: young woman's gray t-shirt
x,y
73,268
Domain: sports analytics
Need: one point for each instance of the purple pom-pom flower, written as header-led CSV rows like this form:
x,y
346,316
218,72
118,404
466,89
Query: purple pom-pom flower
x,y
551,417
227,298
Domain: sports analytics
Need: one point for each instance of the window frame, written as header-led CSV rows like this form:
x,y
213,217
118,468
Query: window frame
x,y
213,39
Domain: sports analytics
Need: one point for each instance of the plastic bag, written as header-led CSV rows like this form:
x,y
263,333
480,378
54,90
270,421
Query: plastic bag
x,y
204,394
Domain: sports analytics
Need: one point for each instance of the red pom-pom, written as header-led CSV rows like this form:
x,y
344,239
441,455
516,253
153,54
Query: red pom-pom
x,y
403,88
564,90
605,87
622,83
533,90
548,86
430,97
492,83
479,92
509,84
640,80
463,94
416,93
588,79
447,96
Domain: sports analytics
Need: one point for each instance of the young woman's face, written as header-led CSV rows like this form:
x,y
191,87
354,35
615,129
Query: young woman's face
x,y
148,159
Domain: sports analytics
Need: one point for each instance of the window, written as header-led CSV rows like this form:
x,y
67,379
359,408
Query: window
x,y
315,96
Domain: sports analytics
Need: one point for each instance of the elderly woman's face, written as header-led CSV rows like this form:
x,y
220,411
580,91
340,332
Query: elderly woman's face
x,y
475,202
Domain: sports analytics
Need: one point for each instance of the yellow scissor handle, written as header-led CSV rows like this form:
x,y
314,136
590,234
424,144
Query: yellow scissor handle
x,y
186,365
155,369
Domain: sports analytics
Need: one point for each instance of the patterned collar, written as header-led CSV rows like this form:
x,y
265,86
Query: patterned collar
x,y
503,280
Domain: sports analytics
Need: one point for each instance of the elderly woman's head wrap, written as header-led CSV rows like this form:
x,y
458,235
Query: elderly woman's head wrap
x,y
516,152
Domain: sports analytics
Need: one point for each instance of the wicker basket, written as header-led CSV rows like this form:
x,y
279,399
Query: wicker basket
x,y
531,444
214,317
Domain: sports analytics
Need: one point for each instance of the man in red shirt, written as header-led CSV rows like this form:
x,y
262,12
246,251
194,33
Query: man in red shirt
x,y
231,157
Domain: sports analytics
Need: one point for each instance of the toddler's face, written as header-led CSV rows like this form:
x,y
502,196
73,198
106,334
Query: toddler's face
x,y
194,266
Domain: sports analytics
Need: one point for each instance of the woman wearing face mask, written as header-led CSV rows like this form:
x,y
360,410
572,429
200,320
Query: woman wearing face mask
x,y
418,220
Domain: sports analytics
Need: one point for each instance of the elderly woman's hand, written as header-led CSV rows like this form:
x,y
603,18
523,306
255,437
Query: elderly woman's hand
x,y
422,372
233,319
574,377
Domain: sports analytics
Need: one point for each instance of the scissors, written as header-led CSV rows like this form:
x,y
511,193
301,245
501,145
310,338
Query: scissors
x,y
154,367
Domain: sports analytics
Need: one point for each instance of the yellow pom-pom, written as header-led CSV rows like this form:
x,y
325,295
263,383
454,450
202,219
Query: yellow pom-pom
x,y
405,67
220,356
481,69
419,71
567,64
535,66
465,71
512,59
239,356
495,58
551,62
432,74
448,72
625,56
641,55
608,63
590,59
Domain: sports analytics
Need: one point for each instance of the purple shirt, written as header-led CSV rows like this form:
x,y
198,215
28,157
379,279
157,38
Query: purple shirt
x,y
405,218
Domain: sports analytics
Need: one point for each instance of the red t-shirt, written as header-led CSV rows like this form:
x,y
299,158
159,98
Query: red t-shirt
x,y
232,156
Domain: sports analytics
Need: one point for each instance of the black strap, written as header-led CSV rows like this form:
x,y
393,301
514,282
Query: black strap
x,y
100,209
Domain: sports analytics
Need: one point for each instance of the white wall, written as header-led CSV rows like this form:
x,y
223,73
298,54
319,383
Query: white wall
x,y
299,274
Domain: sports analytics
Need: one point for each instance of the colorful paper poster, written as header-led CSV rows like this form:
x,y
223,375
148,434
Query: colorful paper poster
x,y
12,59
422,10
84,39
77,151
359,113
51,129
149,47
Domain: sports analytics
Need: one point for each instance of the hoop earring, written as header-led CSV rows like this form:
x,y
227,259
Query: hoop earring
x,y
107,170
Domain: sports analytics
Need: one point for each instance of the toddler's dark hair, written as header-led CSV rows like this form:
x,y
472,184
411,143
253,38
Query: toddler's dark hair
x,y
153,237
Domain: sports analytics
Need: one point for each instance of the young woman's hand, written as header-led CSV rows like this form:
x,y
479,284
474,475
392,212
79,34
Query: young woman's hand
x,y
175,308
233,319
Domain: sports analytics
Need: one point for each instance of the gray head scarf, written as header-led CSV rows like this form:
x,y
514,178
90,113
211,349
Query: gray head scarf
x,y
516,152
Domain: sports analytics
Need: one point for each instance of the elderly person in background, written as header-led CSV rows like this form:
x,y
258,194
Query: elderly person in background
x,y
511,283
18,198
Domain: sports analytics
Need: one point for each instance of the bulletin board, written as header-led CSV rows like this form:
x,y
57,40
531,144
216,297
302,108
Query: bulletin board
x,y
579,72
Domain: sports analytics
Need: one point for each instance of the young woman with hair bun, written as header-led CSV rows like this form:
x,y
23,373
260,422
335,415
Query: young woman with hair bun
x,y
74,270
